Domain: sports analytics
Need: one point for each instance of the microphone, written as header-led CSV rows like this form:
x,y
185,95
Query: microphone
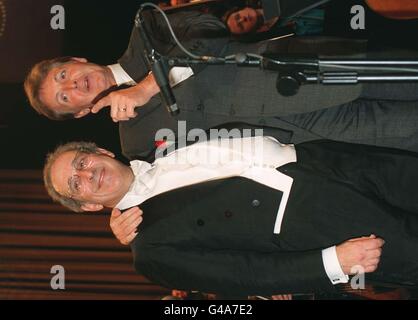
x,y
159,70
158,67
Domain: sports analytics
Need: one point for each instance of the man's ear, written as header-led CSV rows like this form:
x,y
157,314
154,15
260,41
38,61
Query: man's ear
x,y
82,113
91,207
84,60
106,152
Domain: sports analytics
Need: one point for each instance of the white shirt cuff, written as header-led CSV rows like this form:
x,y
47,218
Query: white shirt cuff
x,y
332,266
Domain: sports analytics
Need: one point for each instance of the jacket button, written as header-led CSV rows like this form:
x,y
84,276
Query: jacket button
x,y
228,214
200,222
255,203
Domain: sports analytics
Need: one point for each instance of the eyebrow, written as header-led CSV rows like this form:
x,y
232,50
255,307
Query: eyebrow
x,y
70,179
57,95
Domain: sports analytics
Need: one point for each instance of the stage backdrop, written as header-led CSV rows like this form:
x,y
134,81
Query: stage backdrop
x,y
36,234
26,36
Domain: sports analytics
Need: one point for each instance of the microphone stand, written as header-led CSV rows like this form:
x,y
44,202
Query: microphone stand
x,y
293,72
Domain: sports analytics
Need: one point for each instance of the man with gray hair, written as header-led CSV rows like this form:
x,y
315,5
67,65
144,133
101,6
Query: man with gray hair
x,y
251,215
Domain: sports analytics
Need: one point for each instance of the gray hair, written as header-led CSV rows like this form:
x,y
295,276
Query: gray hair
x,y
81,146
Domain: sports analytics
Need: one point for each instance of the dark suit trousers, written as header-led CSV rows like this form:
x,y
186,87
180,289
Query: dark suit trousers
x,y
385,115
374,190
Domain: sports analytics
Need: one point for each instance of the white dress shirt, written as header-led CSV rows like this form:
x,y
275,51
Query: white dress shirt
x,y
255,158
175,76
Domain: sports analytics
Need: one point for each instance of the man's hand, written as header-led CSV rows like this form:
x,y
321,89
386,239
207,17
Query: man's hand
x,y
124,225
364,251
123,102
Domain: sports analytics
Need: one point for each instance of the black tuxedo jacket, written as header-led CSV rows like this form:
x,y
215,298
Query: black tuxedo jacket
x,y
220,94
218,236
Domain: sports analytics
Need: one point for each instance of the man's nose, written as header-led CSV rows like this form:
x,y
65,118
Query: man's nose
x,y
70,84
87,174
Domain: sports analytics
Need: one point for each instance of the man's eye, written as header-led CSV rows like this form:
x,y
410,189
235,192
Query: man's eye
x,y
82,164
63,74
64,98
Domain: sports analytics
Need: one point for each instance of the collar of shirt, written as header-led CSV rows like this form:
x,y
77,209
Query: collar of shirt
x,y
120,75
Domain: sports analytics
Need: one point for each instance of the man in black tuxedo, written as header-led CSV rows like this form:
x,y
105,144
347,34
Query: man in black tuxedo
x,y
272,220
210,96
